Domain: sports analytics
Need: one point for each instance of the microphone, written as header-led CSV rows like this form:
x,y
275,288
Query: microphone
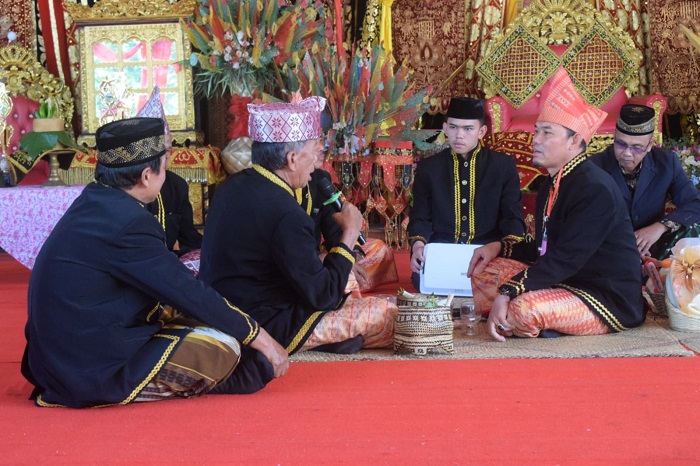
x,y
332,197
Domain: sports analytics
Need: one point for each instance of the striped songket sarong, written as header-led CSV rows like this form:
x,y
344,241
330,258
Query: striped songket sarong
x,y
379,265
534,311
203,359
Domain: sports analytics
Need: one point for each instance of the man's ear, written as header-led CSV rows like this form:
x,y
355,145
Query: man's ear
x,y
482,131
146,176
576,140
292,159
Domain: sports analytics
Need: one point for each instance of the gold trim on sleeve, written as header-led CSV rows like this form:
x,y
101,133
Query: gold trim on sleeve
x,y
343,252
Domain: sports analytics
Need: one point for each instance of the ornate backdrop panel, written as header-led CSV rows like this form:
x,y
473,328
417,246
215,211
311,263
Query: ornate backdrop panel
x,y
432,36
22,13
631,16
676,64
485,17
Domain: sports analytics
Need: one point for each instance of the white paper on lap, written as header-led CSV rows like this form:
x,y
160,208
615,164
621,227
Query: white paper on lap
x,y
445,269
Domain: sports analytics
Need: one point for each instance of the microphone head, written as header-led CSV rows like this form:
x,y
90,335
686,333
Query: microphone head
x,y
326,187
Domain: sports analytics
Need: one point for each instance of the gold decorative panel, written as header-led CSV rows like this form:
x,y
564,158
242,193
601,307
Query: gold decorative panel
x,y
121,64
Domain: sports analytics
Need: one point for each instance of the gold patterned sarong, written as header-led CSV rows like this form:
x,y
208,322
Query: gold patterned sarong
x,y
534,311
205,358
371,317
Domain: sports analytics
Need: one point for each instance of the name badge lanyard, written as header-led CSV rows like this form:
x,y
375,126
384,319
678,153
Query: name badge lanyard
x,y
550,203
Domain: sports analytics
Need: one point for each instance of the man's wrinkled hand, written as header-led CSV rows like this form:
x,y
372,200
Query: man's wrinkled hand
x,y
273,351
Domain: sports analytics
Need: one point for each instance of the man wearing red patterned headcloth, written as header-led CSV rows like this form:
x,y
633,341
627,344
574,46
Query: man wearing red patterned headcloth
x,y
581,274
259,249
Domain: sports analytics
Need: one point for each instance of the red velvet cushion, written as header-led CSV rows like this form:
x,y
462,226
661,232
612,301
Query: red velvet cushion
x,y
21,119
517,144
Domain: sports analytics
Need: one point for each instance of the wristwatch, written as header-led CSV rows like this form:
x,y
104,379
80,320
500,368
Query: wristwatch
x,y
505,291
670,224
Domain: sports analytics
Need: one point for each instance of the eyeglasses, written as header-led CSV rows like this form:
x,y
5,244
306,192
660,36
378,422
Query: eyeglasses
x,y
635,149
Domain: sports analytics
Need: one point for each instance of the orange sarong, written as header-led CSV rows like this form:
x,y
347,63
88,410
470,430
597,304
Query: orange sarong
x,y
379,265
531,312
371,317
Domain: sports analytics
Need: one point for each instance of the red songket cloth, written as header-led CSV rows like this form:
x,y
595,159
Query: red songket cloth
x,y
534,311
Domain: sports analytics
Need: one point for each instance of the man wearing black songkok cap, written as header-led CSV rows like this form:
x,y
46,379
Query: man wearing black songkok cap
x,y
647,176
96,332
466,193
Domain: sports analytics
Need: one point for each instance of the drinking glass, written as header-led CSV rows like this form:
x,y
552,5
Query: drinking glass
x,y
470,314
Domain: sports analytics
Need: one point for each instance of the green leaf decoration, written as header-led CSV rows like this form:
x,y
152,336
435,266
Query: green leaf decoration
x,y
36,143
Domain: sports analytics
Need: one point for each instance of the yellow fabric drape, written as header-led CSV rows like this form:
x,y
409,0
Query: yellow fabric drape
x,y
370,26
385,26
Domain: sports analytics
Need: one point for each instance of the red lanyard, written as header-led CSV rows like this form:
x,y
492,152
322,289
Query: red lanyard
x,y
550,203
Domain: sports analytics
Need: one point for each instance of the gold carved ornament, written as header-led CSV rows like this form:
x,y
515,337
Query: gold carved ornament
x,y
115,23
566,22
25,76
112,10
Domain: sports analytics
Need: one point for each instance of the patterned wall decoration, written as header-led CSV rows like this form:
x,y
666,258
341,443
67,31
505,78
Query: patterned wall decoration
x,y
676,65
485,19
22,13
432,36
631,16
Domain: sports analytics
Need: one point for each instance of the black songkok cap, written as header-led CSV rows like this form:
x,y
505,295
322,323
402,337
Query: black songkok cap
x,y
465,108
129,142
636,120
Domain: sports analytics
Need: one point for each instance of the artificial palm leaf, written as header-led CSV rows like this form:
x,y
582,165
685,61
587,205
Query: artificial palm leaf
x,y
366,97
239,43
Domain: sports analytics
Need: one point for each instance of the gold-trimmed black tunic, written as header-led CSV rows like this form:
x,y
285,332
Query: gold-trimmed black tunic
x,y
94,334
259,251
591,249
475,201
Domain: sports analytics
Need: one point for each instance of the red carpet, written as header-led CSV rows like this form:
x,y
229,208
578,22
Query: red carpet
x,y
586,411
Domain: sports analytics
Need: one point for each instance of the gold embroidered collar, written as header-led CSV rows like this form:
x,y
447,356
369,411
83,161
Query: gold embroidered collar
x,y
571,165
271,176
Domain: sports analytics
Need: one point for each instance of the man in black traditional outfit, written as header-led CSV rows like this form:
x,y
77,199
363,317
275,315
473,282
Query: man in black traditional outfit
x,y
374,264
646,177
467,193
259,249
584,274
97,333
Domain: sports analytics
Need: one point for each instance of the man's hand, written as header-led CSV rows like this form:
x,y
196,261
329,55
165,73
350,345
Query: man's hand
x,y
350,221
273,351
498,324
482,256
417,257
648,236
360,273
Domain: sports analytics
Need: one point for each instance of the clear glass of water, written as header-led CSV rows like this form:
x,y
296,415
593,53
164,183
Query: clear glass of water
x,y
470,315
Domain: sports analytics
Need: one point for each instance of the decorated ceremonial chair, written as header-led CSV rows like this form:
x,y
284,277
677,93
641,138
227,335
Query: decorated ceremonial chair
x,y
600,57
29,83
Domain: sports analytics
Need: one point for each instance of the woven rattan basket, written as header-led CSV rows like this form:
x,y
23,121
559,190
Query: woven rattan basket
x,y
423,323
659,300
679,320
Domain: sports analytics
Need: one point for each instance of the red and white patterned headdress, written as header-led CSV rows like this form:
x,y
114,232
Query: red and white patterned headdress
x,y
286,122
565,106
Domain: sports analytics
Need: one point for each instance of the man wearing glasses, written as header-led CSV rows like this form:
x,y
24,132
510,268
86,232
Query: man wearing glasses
x,y
646,176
